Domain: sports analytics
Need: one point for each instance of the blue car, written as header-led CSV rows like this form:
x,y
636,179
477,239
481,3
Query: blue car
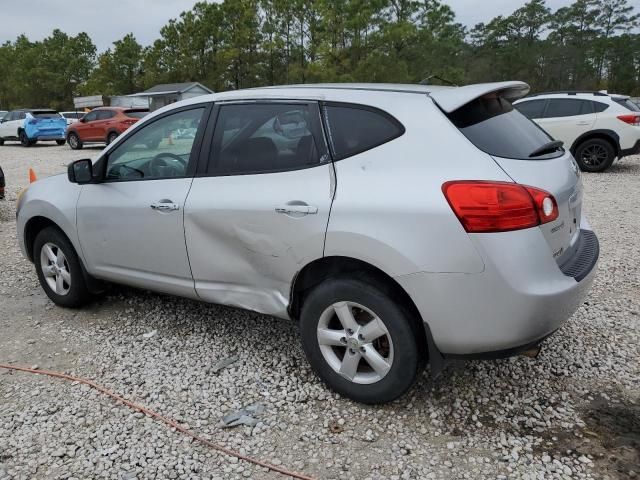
x,y
29,126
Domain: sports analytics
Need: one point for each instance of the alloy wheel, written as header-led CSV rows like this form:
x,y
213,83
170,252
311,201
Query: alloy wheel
x,y
73,141
594,155
355,342
55,268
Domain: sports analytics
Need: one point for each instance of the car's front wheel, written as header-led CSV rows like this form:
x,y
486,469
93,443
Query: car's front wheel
x,y
74,141
59,270
361,342
595,155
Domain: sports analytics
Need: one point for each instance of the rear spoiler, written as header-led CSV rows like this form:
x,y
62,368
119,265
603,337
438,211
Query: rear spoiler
x,y
451,99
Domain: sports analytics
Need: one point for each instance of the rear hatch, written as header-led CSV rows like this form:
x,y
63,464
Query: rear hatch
x,y
526,153
45,123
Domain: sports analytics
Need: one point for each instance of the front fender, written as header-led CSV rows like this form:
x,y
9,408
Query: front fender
x,y
55,199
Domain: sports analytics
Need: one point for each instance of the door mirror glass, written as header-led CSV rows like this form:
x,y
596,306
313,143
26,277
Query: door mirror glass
x,y
80,171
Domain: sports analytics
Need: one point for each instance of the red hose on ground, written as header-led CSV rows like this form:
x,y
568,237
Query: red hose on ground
x,y
157,416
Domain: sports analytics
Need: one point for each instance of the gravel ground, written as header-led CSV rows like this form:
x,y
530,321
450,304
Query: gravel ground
x,y
574,412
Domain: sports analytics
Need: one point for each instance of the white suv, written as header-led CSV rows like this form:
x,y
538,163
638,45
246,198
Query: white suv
x,y
595,126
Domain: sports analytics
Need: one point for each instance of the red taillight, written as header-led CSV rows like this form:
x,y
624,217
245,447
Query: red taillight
x,y
483,206
631,119
129,122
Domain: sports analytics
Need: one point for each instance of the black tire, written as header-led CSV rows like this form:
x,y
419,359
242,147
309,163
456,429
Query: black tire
x,y
74,141
1,142
24,140
595,155
61,142
77,294
409,351
111,137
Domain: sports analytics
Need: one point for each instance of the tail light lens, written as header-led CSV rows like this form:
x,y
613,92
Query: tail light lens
x,y
631,119
128,122
483,206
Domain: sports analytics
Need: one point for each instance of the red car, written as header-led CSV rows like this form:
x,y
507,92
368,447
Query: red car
x,y
102,125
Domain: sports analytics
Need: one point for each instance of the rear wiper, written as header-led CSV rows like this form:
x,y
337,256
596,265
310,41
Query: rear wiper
x,y
547,148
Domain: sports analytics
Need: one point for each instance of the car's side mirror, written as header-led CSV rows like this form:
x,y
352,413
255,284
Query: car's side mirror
x,y
80,171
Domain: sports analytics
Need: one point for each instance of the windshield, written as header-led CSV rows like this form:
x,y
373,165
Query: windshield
x,y
136,113
46,114
495,127
628,104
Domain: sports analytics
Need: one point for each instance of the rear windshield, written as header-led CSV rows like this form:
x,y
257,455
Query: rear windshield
x,y
495,127
628,104
72,115
136,113
46,114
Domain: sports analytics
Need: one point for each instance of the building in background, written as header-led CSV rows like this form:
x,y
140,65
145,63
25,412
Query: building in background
x,y
167,93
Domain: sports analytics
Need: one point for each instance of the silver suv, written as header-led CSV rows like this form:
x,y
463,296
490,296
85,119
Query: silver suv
x,y
398,224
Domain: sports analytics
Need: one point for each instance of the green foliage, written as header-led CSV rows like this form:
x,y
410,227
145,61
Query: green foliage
x,y
590,44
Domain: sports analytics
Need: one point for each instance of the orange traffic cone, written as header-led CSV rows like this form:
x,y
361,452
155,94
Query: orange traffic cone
x,y
32,176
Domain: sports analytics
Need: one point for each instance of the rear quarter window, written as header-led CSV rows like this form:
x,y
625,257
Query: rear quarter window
x,y
355,129
494,126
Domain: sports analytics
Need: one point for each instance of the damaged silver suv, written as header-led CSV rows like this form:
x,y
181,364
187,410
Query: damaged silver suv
x,y
398,224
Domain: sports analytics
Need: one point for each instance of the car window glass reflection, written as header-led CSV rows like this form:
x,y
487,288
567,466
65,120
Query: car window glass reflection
x,y
158,150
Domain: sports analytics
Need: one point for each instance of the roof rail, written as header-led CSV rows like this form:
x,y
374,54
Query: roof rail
x,y
570,92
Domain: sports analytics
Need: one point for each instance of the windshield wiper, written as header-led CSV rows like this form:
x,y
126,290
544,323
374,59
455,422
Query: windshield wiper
x,y
547,148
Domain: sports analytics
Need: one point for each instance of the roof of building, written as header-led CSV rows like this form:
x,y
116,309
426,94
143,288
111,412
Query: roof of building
x,y
169,88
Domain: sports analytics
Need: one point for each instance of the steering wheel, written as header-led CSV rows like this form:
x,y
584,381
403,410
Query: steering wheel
x,y
158,163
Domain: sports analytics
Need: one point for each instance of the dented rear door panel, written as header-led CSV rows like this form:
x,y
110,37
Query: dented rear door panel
x,y
242,251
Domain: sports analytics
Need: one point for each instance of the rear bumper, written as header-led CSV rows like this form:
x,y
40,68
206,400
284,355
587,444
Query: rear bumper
x,y
521,297
635,150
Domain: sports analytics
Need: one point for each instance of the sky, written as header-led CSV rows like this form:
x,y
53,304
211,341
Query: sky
x,y
108,20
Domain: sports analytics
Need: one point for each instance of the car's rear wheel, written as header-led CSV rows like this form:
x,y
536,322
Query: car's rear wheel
x,y
1,142
74,141
59,270
595,155
359,341
24,140
111,137
61,142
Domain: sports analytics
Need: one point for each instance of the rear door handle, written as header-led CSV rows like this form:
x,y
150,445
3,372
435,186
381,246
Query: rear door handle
x,y
297,209
165,206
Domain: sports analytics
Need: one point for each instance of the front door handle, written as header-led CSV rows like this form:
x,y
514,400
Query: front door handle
x,y
165,206
297,209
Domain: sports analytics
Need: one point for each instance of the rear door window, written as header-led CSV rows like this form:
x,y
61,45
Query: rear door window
x,y
532,108
106,114
354,129
495,127
261,138
568,107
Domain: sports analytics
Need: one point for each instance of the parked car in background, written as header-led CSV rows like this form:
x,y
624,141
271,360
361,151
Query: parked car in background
x,y
396,223
72,117
32,125
102,125
595,126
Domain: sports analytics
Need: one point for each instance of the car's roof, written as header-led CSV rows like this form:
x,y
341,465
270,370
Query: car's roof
x,y
586,94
